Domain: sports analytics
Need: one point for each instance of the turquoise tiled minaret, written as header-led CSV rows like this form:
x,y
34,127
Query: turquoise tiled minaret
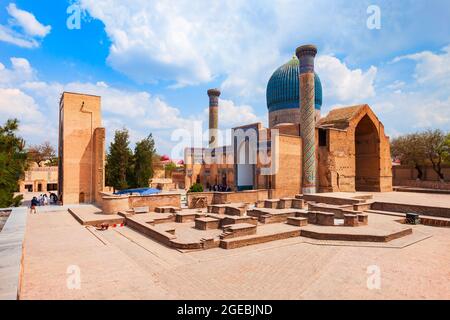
x,y
306,55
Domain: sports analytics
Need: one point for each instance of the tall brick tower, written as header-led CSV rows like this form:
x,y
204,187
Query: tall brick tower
x,y
306,55
213,95
81,167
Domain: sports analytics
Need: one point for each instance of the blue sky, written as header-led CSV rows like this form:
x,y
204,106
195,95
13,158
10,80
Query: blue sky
x,y
152,61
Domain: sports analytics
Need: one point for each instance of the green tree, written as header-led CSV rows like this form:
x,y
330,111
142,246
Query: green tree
x,y
143,161
435,146
118,161
409,149
13,163
53,162
446,154
169,168
196,187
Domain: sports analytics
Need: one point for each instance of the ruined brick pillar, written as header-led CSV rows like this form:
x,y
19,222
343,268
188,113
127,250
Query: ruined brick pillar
x,y
306,55
213,95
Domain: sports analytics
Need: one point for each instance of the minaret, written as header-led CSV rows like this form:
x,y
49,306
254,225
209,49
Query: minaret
x,y
305,55
213,95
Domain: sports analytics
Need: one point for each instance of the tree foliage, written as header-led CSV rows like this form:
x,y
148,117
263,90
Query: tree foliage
x,y
41,153
169,168
13,163
118,161
143,161
422,148
125,169
435,145
196,187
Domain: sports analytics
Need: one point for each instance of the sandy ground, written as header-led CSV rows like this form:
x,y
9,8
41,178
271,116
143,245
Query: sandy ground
x,y
123,264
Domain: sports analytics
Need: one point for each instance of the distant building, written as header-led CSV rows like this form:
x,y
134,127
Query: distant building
x,y
39,179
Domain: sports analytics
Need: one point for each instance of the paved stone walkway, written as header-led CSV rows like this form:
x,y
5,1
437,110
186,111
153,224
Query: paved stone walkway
x,y
121,263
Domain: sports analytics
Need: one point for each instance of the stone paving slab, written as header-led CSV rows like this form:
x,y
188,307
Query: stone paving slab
x,y
92,216
11,239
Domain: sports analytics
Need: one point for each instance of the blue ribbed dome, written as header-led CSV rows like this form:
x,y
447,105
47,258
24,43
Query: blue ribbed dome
x,y
283,88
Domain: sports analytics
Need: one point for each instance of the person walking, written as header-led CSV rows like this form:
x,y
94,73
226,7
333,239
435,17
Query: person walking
x,y
34,203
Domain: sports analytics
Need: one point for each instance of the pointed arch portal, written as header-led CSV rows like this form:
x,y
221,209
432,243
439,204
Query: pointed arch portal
x,y
367,156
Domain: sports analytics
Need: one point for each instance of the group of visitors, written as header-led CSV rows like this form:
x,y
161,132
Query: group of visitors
x,y
43,200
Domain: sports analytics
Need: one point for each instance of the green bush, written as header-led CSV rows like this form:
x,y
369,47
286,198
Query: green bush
x,y
196,187
17,200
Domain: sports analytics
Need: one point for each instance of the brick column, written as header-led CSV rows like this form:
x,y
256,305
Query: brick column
x,y
305,55
213,95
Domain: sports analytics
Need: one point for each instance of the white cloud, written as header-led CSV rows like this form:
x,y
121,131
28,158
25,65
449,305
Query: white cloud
x,y
232,115
342,84
10,36
35,104
28,22
30,28
430,68
410,111
19,72
241,42
422,103
191,42
15,103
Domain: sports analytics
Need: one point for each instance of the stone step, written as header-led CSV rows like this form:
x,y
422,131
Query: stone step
x,y
297,221
257,238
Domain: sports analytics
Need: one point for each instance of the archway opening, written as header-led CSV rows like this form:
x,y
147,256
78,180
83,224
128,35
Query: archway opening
x,y
245,166
367,156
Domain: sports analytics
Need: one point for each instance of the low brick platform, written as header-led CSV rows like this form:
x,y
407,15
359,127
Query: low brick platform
x,y
238,230
217,208
271,203
363,219
325,218
337,210
206,223
285,203
167,209
334,199
363,206
183,217
380,229
312,217
297,221
92,216
227,220
261,236
139,210
236,211
298,204
266,215
425,220
350,220
322,235
434,221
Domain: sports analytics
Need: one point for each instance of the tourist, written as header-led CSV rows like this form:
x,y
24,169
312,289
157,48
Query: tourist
x,y
45,199
34,203
53,198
